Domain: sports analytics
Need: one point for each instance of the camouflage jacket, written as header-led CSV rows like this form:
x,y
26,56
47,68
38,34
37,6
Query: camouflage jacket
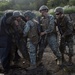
x,y
16,30
31,31
65,26
47,24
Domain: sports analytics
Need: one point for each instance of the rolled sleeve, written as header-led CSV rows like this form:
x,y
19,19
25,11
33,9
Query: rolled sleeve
x,y
26,29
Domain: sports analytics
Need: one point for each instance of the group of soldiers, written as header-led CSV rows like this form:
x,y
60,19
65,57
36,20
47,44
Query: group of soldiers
x,y
30,35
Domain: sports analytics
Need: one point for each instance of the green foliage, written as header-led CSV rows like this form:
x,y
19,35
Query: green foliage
x,y
5,5
24,4
33,4
37,13
54,3
72,2
51,11
67,10
1,13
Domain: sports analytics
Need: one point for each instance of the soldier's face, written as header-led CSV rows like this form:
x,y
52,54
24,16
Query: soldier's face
x,y
18,18
27,18
58,15
44,13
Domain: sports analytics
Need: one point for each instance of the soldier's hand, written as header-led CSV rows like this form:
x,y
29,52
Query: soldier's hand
x,y
16,22
63,36
42,33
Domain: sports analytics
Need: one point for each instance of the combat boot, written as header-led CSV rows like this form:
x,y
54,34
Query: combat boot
x,y
1,68
26,63
70,61
31,67
63,59
39,60
59,62
11,63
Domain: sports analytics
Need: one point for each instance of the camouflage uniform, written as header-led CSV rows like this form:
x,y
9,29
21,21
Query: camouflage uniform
x,y
65,29
19,42
48,27
31,32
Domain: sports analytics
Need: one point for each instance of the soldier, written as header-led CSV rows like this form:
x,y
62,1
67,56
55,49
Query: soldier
x,y
5,42
31,32
74,33
47,33
19,42
65,29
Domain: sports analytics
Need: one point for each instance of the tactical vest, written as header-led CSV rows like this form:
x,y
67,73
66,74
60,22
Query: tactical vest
x,y
63,24
33,33
44,22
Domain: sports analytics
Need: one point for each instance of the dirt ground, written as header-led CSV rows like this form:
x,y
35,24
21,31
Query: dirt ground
x,y
48,67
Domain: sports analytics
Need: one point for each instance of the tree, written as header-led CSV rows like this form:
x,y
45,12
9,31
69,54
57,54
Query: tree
x,y
54,3
40,2
5,5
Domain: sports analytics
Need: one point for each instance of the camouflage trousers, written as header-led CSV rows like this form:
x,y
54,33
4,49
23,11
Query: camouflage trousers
x,y
67,41
32,52
21,46
51,40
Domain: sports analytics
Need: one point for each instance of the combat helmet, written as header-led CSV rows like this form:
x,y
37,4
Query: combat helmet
x,y
43,7
29,14
59,10
17,14
8,13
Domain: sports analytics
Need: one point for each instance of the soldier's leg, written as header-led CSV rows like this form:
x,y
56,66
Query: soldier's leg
x,y
52,41
12,53
6,56
70,45
32,54
17,57
41,50
23,49
62,48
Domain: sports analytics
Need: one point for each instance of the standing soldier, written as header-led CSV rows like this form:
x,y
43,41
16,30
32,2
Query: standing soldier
x,y
31,32
47,33
5,41
16,29
65,29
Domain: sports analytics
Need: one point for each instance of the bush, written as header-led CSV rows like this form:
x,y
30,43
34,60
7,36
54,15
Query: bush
x,y
1,13
51,11
4,5
72,2
54,3
67,10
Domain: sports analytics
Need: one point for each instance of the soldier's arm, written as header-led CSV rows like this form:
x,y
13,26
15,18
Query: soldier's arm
x,y
39,26
51,25
8,25
9,20
26,29
69,27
